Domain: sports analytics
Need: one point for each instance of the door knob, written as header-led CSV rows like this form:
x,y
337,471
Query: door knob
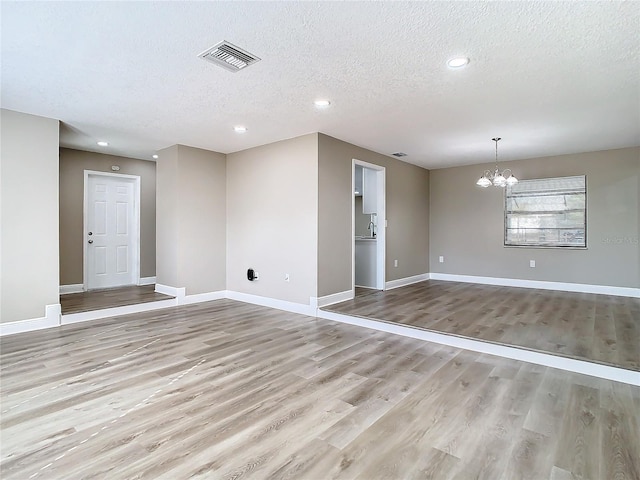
x,y
90,241
90,233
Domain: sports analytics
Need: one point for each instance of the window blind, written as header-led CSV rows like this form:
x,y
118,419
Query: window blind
x,y
547,212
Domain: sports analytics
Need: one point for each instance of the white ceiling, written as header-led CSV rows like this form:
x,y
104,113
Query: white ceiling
x,y
548,77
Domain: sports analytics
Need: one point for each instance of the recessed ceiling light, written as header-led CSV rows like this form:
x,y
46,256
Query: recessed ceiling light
x,y
155,156
458,62
240,129
322,103
103,144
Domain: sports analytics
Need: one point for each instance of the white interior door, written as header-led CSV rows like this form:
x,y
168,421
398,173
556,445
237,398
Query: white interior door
x,y
111,231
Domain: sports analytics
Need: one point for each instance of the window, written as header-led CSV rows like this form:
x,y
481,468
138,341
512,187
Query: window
x,y
548,212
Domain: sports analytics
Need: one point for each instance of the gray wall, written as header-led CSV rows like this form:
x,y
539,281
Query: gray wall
x,y
73,163
191,219
29,210
467,222
272,201
407,205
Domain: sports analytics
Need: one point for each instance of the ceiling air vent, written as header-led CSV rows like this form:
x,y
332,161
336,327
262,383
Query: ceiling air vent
x,y
399,154
229,56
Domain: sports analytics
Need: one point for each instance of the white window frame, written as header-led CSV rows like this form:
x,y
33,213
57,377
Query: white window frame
x,y
543,187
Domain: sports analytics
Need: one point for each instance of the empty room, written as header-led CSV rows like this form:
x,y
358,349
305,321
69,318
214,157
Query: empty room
x,y
320,240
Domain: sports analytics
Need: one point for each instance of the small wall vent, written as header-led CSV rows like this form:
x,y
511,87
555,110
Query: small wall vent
x,y
399,154
228,56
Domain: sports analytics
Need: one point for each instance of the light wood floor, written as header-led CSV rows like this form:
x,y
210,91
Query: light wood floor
x,y
598,328
108,298
225,390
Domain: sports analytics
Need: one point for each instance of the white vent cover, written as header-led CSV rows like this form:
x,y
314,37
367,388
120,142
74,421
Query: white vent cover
x,y
229,56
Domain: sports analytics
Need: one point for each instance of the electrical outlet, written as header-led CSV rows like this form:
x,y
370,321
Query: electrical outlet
x,y
441,259
532,263
395,263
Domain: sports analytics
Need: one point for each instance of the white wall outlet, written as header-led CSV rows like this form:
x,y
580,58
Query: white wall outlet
x,y
395,263
286,277
441,259
532,263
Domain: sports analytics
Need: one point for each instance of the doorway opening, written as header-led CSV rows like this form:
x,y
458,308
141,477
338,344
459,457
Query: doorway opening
x,y
368,225
111,229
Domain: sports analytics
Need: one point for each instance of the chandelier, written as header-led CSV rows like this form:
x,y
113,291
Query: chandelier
x,y
497,178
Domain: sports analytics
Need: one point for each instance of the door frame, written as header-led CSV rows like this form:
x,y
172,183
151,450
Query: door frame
x,y
136,223
381,236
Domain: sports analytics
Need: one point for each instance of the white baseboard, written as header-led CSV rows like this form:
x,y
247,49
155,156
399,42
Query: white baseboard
x,y
177,292
116,311
318,302
543,285
538,358
203,297
75,288
146,281
300,308
51,319
401,282
183,299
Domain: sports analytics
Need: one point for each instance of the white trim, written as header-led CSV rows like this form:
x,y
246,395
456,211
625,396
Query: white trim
x,y
202,297
300,308
116,311
146,281
381,236
543,285
401,282
75,288
172,291
318,302
183,299
538,358
136,236
51,319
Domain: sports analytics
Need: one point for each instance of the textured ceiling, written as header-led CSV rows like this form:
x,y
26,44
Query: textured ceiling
x,y
548,77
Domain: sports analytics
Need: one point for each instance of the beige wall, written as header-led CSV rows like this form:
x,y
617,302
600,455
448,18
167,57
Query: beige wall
x,y
272,201
467,222
191,219
73,163
29,210
167,217
407,205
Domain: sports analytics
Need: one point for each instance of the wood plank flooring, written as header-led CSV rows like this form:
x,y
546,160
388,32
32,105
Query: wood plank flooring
x,y
599,328
226,390
108,298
